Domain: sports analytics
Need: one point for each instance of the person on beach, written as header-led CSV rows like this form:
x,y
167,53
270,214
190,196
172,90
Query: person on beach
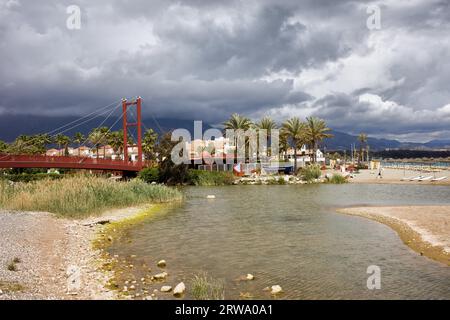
x,y
379,174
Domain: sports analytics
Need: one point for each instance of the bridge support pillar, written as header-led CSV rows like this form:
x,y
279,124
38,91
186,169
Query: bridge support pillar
x,y
138,104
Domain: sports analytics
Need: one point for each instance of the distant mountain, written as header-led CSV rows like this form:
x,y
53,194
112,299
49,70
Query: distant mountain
x,y
13,125
438,144
343,141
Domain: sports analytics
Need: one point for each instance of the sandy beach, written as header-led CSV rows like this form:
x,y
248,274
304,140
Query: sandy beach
x,y
399,176
426,229
47,252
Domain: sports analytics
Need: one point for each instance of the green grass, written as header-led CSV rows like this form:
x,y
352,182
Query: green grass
x,y
337,179
209,178
80,196
207,288
310,173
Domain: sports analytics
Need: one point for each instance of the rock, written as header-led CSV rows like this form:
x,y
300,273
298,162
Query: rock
x,y
148,298
266,289
166,288
161,263
276,289
110,238
132,287
179,289
1,292
160,276
249,276
210,196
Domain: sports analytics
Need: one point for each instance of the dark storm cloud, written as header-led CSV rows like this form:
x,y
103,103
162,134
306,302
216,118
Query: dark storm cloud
x,y
207,59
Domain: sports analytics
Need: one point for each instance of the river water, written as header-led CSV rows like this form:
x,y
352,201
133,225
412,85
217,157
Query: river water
x,y
290,236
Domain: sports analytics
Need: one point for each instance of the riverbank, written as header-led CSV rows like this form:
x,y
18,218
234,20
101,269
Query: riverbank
x,y
425,229
45,257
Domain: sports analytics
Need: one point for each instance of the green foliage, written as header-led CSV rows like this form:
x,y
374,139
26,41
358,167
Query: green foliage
x,y
149,144
310,173
207,288
81,195
337,179
149,175
209,178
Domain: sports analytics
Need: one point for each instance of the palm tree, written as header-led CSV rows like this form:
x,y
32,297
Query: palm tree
x,y
62,140
78,138
149,144
267,124
237,122
3,146
115,140
96,138
294,129
316,131
362,138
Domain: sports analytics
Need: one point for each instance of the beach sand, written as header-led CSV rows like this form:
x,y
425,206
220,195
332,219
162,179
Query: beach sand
x,y
426,229
396,175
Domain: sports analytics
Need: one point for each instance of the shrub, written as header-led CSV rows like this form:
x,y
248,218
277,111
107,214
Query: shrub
x,y
81,195
149,175
209,178
310,172
337,179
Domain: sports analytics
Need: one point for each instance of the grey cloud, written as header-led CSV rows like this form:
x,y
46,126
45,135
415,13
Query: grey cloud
x,y
207,59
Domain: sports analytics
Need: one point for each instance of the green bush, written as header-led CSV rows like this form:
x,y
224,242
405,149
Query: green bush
x,y
149,175
337,179
209,178
310,172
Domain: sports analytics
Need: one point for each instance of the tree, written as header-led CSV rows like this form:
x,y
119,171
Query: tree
x,y
149,144
79,138
115,140
267,124
3,146
169,172
95,138
316,131
237,122
294,130
62,141
362,138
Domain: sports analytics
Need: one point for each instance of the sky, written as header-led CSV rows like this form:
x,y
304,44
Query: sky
x,y
203,60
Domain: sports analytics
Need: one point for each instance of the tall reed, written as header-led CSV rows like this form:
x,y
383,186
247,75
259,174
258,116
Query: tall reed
x,y
81,195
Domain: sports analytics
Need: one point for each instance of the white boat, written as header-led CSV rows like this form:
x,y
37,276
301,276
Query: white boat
x,y
426,178
439,179
416,178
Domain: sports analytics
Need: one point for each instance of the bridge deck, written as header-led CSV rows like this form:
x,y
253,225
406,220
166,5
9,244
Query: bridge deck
x,y
40,161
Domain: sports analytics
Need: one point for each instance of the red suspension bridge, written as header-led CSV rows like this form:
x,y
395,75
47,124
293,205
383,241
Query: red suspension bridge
x,y
124,164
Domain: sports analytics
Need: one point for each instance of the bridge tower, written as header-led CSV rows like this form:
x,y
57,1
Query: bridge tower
x,y
137,103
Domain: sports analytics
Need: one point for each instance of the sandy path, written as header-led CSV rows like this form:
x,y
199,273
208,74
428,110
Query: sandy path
x,y
46,247
426,229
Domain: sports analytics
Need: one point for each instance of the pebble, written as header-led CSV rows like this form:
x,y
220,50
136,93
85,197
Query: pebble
x,y
161,263
179,289
166,288
249,276
276,289
159,276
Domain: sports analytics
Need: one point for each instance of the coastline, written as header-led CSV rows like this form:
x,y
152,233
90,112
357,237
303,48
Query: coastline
x,y
51,251
425,229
